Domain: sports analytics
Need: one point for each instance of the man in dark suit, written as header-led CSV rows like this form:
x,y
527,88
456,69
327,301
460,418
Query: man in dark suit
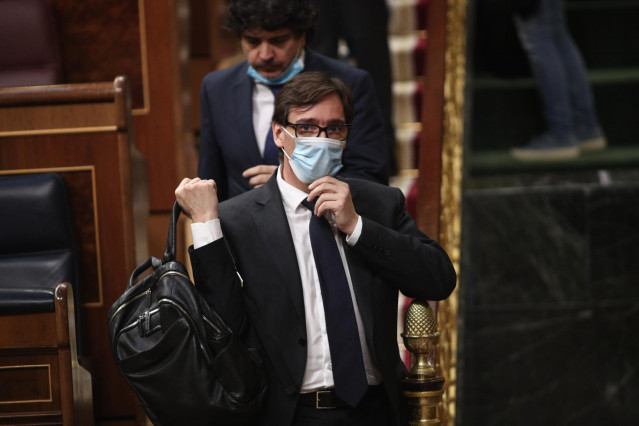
x,y
363,25
258,260
236,104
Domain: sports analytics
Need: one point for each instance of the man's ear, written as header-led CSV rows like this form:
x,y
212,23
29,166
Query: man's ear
x,y
278,134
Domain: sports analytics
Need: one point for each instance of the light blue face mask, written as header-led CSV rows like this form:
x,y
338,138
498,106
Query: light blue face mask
x,y
314,158
295,68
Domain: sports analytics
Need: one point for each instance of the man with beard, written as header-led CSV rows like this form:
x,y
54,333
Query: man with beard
x,y
236,144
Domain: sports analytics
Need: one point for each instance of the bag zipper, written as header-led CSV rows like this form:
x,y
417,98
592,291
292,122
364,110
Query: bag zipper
x,y
146,292
125,304
190,320
171,302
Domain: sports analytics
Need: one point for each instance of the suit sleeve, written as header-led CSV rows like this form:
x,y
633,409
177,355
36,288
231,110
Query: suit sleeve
x,y
210,163
218,282
404,257
366,155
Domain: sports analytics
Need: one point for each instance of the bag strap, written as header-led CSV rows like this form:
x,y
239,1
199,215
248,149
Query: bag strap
x,y
171,240
169,251
150,262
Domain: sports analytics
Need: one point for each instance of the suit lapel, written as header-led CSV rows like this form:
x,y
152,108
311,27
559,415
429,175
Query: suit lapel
x,y
310,61
242,99
273,229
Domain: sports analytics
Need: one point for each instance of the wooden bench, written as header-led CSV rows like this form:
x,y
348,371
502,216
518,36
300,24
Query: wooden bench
x,y
83,132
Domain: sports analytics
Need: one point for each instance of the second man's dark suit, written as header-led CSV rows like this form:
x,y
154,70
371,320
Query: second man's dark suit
x,y
391,255
227,137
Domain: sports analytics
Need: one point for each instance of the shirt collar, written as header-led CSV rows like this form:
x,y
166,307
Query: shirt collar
x,y
291,196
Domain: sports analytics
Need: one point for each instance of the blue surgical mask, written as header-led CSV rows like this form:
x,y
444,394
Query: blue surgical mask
x,y
295,68
314,158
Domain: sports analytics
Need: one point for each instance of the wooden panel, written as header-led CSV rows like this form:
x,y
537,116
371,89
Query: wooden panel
x,y
30,382
432,118
440,165
98,170
100,40
104,152
64,118
25,384
198,68
105,38
80,183
200,43
161,132
41,330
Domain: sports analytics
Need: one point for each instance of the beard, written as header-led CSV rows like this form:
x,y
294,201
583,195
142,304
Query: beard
x,y
270,67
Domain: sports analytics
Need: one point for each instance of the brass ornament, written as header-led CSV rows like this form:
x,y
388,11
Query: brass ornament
x,y
422,388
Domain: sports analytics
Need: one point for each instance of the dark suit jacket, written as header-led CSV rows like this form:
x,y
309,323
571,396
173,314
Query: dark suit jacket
x,y
390,255
227,137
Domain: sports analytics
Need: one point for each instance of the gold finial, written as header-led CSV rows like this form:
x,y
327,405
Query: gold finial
x,y
420,320
421,338
422,387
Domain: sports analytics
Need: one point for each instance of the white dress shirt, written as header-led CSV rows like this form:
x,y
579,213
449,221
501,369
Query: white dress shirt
x,y
263,106
318,373
263,103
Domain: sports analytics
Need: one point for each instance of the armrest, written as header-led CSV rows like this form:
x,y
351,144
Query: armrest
x,y
25,300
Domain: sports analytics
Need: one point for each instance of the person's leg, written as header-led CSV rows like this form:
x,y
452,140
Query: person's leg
x,y
536,35
364,27
363,24
584,116
327,25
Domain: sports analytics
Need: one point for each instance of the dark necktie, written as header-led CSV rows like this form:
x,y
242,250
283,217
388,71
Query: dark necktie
x,y
271,155
349,373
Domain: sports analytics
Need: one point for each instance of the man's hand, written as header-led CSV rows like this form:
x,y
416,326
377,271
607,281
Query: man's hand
x,y
198,199
258,175
334,196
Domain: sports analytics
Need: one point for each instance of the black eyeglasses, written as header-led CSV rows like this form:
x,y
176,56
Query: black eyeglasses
x,y
336,131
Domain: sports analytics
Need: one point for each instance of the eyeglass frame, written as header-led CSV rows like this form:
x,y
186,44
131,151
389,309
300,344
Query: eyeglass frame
x,y
321,129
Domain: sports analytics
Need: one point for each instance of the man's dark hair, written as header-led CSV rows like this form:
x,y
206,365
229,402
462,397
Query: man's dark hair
x,y
271,15
307,89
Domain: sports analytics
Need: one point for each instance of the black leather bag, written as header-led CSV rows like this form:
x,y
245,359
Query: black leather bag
x,y
182,361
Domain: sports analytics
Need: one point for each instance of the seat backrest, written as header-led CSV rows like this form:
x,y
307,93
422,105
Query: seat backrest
x,y
37,246
30,53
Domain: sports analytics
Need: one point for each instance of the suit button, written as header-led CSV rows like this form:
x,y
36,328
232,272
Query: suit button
x,y
302,341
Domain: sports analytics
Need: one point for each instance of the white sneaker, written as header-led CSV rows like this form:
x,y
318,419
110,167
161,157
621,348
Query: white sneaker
x,y
546,147
592,140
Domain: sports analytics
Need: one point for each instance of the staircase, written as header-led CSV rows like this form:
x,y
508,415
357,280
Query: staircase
x,y
506,106
549,291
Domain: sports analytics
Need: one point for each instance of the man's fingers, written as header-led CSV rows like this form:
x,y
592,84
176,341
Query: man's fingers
x,y
325,179
252,171
333,186
262,169
258,180
258,175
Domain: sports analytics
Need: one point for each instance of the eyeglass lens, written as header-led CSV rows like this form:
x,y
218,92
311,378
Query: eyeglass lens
x,y
339,131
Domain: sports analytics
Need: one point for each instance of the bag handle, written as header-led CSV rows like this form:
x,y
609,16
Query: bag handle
x,y
150,262
171,240
169,252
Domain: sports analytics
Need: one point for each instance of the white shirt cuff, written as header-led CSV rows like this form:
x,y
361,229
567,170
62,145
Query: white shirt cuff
x,y
206,233
352,239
